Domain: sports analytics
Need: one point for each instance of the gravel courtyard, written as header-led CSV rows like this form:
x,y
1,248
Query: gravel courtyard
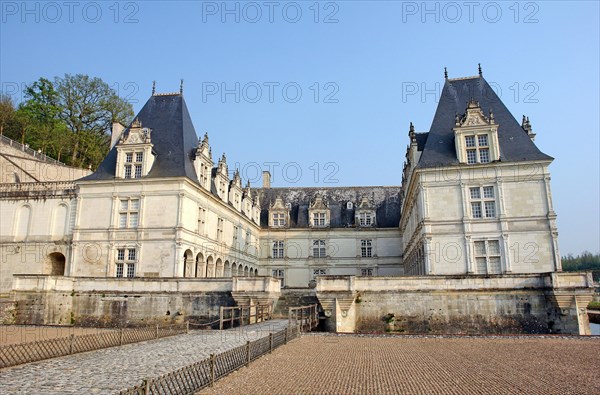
x,y
326,364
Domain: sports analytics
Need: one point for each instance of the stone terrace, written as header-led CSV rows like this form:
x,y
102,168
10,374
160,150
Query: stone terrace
x,y
326,364
112,369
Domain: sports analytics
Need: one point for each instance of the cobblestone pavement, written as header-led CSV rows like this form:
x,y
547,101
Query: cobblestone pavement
x,y
324,364
112,369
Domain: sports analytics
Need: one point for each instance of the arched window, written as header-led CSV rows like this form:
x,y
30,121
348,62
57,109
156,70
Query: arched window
x,y
59,222
22,222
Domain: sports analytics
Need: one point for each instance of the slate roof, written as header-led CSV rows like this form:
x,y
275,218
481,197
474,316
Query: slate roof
x,y
515,144
172,135
386,201
421,140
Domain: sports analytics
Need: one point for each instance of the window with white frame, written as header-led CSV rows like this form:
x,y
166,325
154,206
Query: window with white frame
x,y
201,220
366,248
279,219
367,272
365,218
129,211
487,257
319,219
278,249
220,229
483,202
478,148
235,236
133,164
125,262
280,274
319,248
319,272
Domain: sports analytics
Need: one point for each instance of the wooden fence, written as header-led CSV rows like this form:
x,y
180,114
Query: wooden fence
x,y
17,354
307,317
192,378
244,315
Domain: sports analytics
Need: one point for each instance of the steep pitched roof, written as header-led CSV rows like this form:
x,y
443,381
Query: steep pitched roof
x,y
439,150
385,201
173,137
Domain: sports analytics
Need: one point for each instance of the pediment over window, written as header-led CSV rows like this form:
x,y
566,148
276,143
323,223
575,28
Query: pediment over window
x,y
134,152
474,116
318,204
279,214
476,136
203,162
319,213
136,134
365,214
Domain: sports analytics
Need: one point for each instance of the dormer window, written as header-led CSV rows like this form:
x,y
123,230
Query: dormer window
x,y
133,169
279,214
365,214
318,220
478,149
134,152
279,219
319,214
476,136
365,219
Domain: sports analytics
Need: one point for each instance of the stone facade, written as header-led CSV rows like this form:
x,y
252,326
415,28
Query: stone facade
x,y
517,303
475,202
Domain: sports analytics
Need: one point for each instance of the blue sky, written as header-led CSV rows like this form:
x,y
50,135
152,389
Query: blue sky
x,y
323,93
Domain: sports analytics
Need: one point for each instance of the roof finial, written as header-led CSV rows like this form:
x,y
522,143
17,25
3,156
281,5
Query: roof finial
x,y
445,73
153,87
181,87
479,67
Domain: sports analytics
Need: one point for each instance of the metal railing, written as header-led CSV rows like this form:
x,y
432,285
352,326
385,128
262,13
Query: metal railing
x,y
307,317
17,354
194,377
25,148
244,315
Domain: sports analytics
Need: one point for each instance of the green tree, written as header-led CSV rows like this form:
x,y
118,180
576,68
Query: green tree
x,y
43,109
88,106
7,111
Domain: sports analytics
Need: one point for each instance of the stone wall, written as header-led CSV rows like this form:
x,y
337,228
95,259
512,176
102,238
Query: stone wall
x,y
57,300
502,304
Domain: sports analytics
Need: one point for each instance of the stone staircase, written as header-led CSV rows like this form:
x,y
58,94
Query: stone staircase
x,y
294,297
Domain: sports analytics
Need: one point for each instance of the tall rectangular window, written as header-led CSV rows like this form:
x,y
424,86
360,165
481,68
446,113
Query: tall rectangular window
x,y
487,257
478,149
483,202
319,219
220,229
366,248
368,272
278,219
125,262
201,220
278,249
280,274
319,249
133,165
129,213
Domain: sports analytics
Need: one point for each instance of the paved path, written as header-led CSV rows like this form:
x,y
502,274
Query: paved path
x,y
346,365
110,370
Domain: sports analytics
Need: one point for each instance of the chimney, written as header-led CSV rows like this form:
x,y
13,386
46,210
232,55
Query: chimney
x,y
116,132
266,179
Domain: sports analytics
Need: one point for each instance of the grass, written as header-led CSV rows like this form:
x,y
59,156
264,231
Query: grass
x,y
594,305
